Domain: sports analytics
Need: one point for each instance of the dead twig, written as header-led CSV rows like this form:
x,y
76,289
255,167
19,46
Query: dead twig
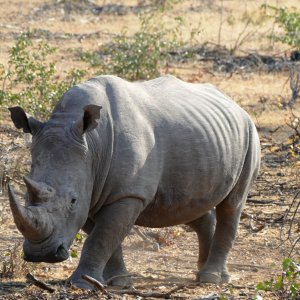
x,y
250,287
247,266
97,284
12,285
275,129
260,201
256,228
39,283
293,217
293,246
265,202
269,220
165,295
294,124
145,238
221,23
212,296
242,37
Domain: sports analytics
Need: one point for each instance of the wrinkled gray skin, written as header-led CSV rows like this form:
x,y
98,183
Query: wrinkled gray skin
x,y
164,152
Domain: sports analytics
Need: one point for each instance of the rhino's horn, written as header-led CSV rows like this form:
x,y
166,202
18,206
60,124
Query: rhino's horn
x,y
34,222
38,190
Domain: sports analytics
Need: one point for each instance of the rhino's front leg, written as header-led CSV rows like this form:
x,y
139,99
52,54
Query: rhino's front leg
x,y
112,223
115,265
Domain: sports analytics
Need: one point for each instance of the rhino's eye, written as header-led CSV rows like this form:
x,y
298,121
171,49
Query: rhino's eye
x,y
73,201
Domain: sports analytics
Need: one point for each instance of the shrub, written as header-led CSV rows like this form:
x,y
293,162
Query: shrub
x,y
30,80
287,285
142,55
289,21
134,58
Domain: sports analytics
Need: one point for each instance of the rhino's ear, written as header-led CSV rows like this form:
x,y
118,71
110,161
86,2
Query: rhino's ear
x,y
23,120
88,121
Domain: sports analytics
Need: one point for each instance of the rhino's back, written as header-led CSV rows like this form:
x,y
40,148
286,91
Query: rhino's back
x,y
196,113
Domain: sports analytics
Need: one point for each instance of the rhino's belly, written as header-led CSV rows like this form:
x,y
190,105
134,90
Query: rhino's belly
x,y
156,215
186,198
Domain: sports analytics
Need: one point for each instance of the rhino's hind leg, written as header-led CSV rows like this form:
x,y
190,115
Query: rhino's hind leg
x,y
115,267
215,269
205,228
228,214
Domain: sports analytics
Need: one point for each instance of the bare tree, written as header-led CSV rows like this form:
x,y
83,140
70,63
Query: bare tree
x,y
294,69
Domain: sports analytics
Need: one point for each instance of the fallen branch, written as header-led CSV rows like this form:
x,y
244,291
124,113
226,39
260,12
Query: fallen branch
x,y
39,283
247,266
260,201
266,202
256,228
146,295
145,238
293,217
250,287
293,213
12,285
293,246
269,220
97,284
210,297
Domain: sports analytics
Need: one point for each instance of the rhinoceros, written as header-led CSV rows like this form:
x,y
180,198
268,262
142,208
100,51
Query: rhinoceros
x,y
163,152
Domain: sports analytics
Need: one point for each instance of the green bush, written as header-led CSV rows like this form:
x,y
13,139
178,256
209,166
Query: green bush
x,y
289,21
30,79
287,285
142,55
135,58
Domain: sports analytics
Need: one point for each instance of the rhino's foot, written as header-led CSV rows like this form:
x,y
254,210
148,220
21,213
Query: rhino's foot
x,y
118,282
81,283
213,277
123,280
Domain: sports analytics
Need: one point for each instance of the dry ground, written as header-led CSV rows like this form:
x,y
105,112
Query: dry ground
x,y
260,245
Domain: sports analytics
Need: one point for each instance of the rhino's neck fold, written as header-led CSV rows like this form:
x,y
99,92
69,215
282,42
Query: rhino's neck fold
x,y
100,143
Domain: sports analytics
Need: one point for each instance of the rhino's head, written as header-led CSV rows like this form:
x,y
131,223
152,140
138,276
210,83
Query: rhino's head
x,y
60,183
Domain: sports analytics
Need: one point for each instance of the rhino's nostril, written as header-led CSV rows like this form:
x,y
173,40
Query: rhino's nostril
x,y
62,252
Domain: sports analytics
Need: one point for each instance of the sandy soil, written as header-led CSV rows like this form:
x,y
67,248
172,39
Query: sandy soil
x,y
170,259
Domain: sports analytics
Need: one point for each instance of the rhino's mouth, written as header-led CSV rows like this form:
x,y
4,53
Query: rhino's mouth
x,y
57,254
